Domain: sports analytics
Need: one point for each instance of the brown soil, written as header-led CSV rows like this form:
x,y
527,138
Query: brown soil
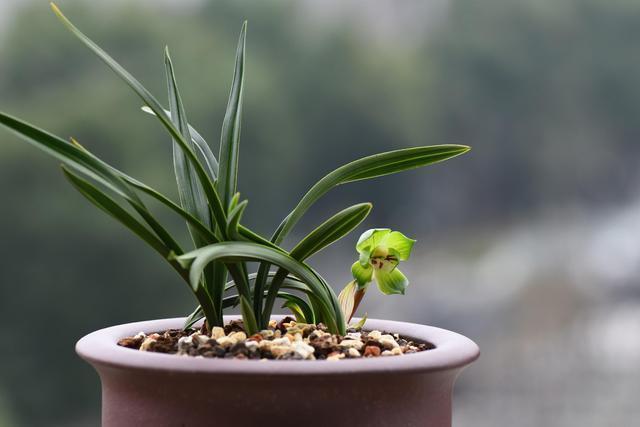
x,y
286,340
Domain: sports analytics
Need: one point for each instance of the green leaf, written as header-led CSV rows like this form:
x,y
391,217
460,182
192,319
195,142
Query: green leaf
x,y
230,252
362,274
328,232
365,168
79,159
390,281
299,307
254,237
196,315
203,151
111,207
358,326
249,318
108,205
230,138
210,191
195,223
331,230
233,220
234,202
190,191
70,154
192,197
291,283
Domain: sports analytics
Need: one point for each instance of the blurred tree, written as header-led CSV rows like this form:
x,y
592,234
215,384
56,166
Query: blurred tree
x,y
548,94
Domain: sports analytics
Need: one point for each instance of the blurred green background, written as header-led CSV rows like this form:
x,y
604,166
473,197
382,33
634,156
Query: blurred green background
x,y
530,244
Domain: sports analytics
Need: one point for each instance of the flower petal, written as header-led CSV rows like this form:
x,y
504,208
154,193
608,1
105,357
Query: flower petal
x,y
361,274
391,281
398,243
370,239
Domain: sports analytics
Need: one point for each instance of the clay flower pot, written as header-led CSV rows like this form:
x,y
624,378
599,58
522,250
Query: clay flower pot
x,y
152,389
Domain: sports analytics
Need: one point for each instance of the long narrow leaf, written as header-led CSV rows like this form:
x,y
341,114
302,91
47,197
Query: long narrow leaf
x,y
192,197
82,161
254,237
250,323
210,190
365,168
230,138
195,315
233,221
193,221
112,208
328,232
246,251
69,154
203,151
290,282
299,307
331,230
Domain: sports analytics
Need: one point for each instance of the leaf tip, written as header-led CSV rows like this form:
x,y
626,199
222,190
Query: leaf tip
x,y
464,148
56,9
76,144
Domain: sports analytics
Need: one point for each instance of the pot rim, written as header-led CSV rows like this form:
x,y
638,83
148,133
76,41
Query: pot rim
x,y
452,351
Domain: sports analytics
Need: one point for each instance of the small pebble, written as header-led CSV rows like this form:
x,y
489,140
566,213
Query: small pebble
x,y
388,342
357,344
238,336
266,333
217,332
371,351
252,344
200,339
226,342
279,350
147,344
284,340
352,352
374,335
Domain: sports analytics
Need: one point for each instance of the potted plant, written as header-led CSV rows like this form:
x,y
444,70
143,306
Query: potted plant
x,y
386,373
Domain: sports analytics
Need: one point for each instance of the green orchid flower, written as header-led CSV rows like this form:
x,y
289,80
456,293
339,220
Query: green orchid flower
x,y
380,251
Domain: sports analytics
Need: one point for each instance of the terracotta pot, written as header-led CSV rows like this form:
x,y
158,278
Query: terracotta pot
x,y
152,389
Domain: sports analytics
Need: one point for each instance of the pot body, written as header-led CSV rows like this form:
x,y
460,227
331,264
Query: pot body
x,y
151,389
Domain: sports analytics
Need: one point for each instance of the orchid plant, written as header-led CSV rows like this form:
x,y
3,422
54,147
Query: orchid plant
x,y
213,210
